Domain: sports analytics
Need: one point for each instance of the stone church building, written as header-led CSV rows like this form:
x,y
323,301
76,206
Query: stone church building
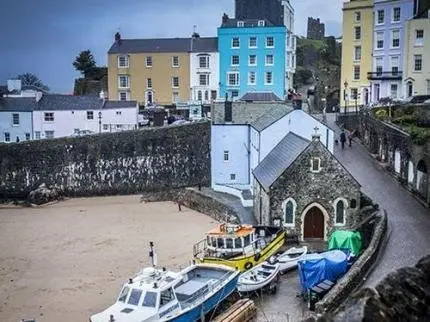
x,y
303,187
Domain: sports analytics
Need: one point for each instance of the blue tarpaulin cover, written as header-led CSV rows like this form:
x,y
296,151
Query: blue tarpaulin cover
x,y
315,268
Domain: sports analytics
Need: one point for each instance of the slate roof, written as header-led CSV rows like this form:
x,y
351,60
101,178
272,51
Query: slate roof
x,y
232,23
3,89
119,104
279,159
261,97
164,45
17,104
58,102
270,117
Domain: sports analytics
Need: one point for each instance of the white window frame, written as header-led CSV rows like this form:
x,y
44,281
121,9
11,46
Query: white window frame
x,y
357,16
240,23
267,42
233,58
37,135
7,136
90,115
126,61
354,72
175,96
13,119
249,78
232,176
175,61
391,90
127,78
345,207
284,205
237,78
204,58
206,80
393,15
47,117
357,49
271,77
378,40
261,23
148,61
392,38
46,134
233,41
394,62
255,61
249,42
379,62
120,95
355,32
173,82
226,156
415,64
377,17
273,60
149,83
419,41
315,159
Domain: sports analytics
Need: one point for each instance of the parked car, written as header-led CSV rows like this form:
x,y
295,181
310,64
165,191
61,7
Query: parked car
x,y
418,99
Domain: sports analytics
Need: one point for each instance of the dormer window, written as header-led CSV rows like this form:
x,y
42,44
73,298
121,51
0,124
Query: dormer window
x,y
261,23
315,165
240,23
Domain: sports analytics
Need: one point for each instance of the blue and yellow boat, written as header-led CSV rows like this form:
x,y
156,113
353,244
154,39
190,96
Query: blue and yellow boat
x,y
239,246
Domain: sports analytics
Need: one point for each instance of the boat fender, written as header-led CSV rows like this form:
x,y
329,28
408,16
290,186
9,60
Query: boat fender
x,y
257,257
248,265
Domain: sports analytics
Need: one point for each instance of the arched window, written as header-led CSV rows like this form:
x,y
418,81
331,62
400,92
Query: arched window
x,y
199,95
340,213
289,209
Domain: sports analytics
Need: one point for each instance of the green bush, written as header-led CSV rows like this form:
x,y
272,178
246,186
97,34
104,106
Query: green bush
x,y
381,114
419,135
406,119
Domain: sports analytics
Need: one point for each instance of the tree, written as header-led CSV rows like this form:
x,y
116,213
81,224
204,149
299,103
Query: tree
x,y
84,62
33,80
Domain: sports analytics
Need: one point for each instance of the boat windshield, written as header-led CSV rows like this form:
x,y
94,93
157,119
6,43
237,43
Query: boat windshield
x,y
238,243
228,243
246,240
150,299
123,295
135,296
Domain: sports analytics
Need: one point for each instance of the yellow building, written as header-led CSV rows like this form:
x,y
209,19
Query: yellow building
x,y
150,71
356,52
417,55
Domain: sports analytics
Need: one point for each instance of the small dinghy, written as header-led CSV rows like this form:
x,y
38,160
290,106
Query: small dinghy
x,y
289,259
261,276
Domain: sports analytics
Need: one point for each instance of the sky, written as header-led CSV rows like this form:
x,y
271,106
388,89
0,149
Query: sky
x,y
44,36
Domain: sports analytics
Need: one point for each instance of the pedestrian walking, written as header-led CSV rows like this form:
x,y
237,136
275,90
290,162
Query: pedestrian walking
x,y
351,137
342,139
180,204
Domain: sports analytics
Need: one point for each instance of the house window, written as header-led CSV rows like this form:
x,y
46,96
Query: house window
x,y
261,23
289,212
252,60
149,61
233,79
393,89
6,136
206,95
49,117
396,38
175,61
269,78
27,136
226,156
379,63
340,213
396,14
380,17
123,61
357,53
15,119
354,93
357,72
357,33
380,40
251,78
204,79
204,61
37,135
123,96
395,65
175,97
418,63
353,203
123,81
175,82
235,60
149,82
419,37
232,176
252,42
269,60
315,165
235,42
357,16
49,134
240,24
234,93
270,42
213,95
199,95
90,115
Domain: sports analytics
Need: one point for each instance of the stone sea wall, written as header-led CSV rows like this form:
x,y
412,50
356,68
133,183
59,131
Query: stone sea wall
x,y
152,159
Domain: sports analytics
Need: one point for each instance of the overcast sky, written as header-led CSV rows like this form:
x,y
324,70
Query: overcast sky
x,y
44,36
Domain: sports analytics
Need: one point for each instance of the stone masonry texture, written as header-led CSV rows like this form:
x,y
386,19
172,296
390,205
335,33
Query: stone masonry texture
x,y
116,163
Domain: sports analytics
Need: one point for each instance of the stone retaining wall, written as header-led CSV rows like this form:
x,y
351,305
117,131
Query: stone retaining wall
x,y
360,268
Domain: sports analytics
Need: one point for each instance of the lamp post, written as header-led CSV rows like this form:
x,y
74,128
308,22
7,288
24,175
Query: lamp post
x,y
345,95
100,122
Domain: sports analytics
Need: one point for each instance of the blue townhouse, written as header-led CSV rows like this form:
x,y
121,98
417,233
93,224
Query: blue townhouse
x,y
252,57
16,123
388,48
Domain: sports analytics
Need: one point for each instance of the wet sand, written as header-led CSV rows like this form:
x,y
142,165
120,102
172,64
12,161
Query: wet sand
x,y
66,261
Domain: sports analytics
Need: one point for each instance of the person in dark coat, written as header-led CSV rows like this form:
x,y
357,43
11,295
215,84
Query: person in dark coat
x,y
342,139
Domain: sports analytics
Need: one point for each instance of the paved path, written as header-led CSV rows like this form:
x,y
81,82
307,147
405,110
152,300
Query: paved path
x,y
408,219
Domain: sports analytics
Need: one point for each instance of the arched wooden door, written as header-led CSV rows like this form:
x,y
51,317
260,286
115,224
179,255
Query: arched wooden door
x,y
314,224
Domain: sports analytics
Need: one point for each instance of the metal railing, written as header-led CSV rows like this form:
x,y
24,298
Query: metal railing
x,y
385,75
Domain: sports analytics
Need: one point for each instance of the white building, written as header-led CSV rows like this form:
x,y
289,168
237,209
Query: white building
x,y
243,136
16,89
65,115
204,69
290,44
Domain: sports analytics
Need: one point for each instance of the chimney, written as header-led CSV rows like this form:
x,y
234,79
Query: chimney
x,y
224,18
228,105
118,38
38,96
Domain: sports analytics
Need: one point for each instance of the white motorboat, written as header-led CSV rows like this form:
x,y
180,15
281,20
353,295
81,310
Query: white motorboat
x,y
261,276
289,259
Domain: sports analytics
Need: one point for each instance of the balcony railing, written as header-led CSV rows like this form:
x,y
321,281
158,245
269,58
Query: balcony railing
x,y
385,75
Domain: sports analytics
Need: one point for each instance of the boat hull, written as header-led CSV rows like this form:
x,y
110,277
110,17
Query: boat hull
x,y
195,313
241,263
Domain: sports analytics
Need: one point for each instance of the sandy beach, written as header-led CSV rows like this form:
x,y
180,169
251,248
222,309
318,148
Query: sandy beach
x,y
66,261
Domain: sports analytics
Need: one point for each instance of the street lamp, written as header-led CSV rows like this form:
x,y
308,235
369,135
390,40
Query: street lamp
x,y
345,95
100,122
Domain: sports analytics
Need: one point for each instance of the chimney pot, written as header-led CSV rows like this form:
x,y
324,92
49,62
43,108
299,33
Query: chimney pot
x,y
118,38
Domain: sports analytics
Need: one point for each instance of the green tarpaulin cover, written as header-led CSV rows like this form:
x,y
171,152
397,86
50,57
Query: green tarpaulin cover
x,y
345,239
